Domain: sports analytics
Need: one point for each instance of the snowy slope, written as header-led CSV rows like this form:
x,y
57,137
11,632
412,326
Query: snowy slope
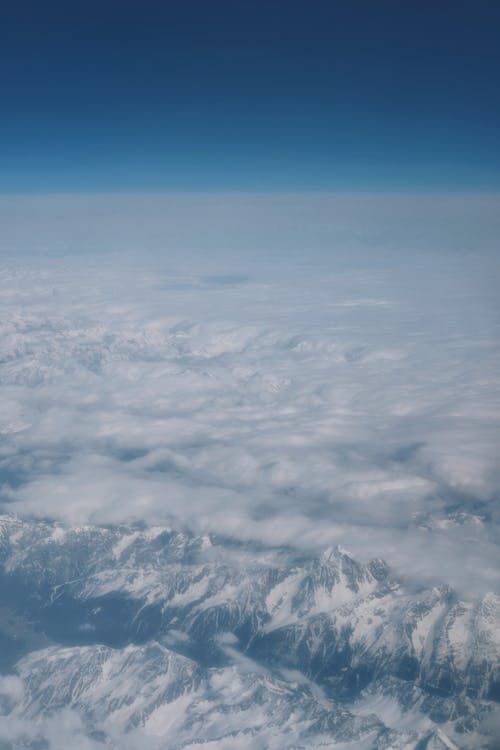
x,y
176,636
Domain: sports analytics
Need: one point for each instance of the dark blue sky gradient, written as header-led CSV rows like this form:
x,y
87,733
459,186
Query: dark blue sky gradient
x,y
207,95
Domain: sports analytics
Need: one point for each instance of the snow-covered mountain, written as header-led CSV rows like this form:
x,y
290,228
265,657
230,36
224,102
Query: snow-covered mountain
x,y
158,634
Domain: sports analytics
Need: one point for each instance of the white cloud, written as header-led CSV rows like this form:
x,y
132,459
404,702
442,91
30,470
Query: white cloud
x,y
296,370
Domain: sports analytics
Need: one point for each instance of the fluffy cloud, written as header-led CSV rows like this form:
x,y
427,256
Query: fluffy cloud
x,y
296,370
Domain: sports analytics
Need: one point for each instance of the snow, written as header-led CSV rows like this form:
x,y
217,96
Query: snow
x,y
125,541
195,591
423,633
279,601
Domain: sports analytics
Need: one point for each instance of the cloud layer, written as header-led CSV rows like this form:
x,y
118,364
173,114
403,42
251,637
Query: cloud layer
x,y
296,370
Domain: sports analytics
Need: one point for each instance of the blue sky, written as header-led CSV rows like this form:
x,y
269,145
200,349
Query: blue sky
x,y
110,96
